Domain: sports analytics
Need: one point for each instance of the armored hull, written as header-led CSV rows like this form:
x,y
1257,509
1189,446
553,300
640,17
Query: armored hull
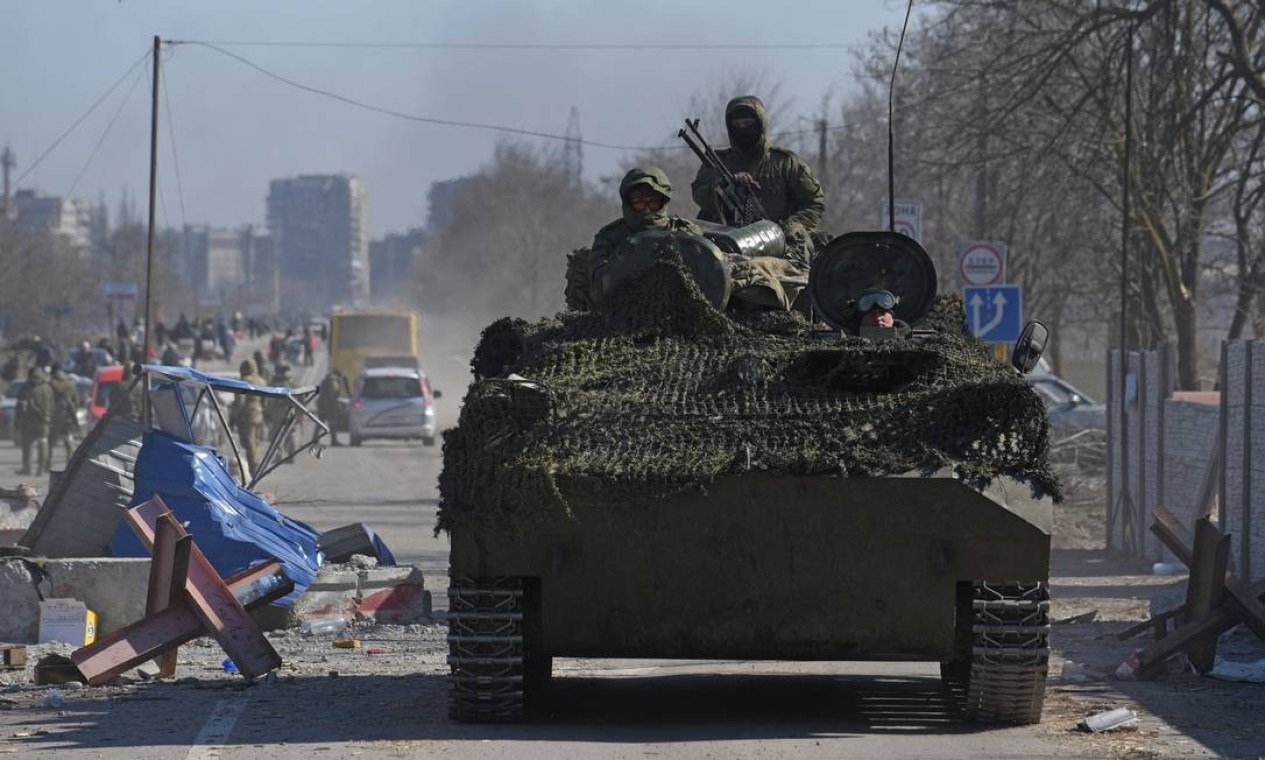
x,y
667,482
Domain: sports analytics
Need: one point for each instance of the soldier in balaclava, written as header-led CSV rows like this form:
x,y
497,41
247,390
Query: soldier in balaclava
x,y
644,193
787,189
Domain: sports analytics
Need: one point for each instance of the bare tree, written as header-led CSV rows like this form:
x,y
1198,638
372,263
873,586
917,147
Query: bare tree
x,y
504,249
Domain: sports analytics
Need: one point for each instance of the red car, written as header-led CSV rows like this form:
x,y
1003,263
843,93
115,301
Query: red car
x,y
106,380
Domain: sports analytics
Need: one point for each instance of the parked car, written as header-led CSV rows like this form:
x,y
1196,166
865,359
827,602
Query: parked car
x,y
107,379
1070,409
392,402
8,410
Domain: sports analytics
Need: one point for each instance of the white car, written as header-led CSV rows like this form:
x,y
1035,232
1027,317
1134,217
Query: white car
x,y
392,402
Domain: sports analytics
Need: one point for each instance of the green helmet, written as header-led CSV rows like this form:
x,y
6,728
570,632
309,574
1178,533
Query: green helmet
x,y
651,176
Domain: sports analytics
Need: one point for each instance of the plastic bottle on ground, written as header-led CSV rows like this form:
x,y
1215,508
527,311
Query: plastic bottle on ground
x,y
324,625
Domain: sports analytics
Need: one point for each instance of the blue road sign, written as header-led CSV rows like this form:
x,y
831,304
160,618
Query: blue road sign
x,y
994,314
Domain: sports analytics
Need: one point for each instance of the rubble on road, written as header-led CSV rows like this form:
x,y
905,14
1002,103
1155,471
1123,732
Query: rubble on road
x,y
192,460
18,507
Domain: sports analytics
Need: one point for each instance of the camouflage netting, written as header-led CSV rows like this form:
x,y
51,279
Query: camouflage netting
x,y
658,391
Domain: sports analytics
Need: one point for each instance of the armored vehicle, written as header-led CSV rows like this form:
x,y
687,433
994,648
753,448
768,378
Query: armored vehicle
x,y
663,477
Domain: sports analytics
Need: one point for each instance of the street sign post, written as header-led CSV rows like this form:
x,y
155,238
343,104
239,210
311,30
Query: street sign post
x,y
908,218
981,263
994,314
120,291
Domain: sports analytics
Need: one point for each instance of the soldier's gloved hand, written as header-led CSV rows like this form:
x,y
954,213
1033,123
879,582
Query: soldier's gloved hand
x,y
745,178
795,232
739,266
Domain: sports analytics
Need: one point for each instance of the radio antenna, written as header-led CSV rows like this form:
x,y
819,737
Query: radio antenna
x,y
891,140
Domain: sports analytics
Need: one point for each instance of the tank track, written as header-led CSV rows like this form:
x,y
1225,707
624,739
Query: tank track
x,y
486,653
1009,654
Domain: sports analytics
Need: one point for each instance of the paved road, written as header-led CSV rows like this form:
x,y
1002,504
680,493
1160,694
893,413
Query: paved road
x,y
599,709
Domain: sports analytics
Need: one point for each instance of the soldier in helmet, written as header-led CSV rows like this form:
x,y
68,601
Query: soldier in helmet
x,y
787,189
35,405
128,398
333,388
644,193
248,418
874,308
64,428
275,414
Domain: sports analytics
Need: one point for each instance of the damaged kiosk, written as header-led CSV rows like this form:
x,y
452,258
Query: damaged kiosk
x,y
662,478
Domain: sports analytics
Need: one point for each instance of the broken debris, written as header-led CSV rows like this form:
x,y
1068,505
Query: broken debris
x,y
1111,720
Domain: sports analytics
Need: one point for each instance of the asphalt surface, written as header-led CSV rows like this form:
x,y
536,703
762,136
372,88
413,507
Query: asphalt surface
x,y
393,704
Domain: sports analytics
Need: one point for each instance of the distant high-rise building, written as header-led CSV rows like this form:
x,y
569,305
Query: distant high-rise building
x,y
71,219
390,262
213,261
318,233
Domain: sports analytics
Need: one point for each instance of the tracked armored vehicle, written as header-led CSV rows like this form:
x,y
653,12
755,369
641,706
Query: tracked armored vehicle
x,y
663,478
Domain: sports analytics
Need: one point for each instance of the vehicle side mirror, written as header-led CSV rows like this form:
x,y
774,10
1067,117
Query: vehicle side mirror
x,y
1029,347
437,393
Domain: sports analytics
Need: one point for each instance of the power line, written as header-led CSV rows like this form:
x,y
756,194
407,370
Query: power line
x,y
85,115
175,157
117,112
406,116
449,122
682,46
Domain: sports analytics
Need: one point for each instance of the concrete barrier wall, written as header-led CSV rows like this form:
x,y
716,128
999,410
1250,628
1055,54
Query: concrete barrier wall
x,y
113,588
1243,502
1190,435
1169,444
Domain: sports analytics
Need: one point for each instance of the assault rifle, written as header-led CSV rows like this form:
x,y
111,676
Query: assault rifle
x,y
739,205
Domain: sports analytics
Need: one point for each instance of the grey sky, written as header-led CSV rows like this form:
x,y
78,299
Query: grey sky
x,y
235,129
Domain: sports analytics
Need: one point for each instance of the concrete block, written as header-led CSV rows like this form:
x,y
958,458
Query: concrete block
x,y
381,594
114,588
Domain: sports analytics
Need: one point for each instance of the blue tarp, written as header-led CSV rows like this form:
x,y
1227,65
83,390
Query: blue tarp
x,y
233,527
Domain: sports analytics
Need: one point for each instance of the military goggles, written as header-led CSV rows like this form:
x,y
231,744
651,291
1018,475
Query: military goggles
x,y
878,299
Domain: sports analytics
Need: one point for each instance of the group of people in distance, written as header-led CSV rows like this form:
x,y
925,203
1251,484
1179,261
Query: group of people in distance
x,y
787,189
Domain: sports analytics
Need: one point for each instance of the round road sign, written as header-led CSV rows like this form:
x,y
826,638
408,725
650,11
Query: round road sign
x,y
981,264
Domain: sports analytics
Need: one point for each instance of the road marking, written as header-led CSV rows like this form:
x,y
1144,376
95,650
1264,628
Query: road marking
x,y
218,727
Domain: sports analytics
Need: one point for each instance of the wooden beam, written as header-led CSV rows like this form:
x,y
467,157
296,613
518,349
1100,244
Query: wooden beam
x,y
149,637
1151,659
1173,535
1206,587
1157,622
1245,601
1209,496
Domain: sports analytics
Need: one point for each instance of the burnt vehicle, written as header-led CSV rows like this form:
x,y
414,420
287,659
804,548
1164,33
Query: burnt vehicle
x,y
661,477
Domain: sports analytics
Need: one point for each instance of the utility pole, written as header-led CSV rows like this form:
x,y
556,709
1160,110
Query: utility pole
x,y
9,164
149,245
573,149
153,195
981,168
